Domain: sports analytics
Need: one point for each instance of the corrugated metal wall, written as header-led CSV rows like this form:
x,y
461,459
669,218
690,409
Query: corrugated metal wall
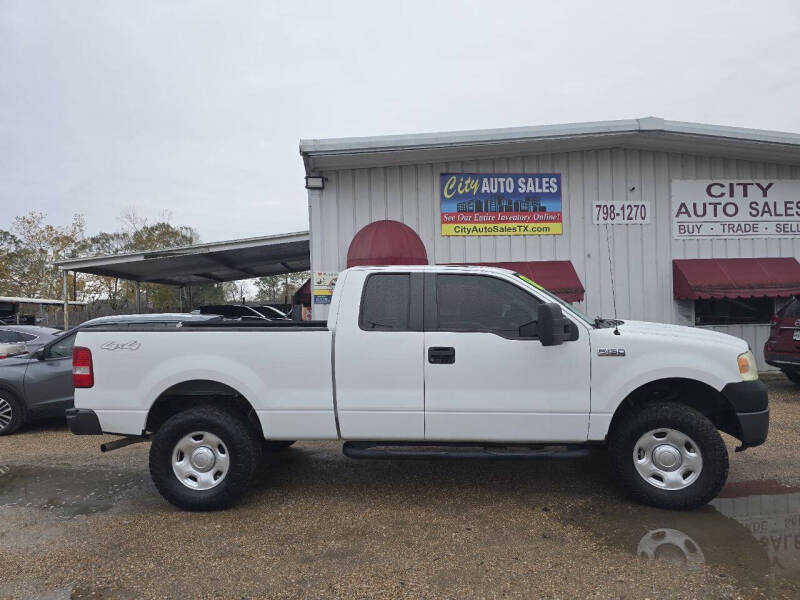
x,y
641,254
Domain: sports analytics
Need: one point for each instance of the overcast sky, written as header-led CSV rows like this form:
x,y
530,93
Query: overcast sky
x,y
198,106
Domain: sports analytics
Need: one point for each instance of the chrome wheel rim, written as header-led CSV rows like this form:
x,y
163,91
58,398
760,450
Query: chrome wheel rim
x,y
200,460
6,413
667,459
671,545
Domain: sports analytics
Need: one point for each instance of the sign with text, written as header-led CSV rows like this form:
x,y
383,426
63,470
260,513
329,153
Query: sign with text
x,y
735,208
620,212
501,204
324,282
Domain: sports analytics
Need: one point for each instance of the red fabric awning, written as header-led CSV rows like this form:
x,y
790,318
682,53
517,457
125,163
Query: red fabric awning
x,y
386,243
556,276
735,278
303,294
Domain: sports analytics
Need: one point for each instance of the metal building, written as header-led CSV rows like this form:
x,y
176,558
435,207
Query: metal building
x,y
634,198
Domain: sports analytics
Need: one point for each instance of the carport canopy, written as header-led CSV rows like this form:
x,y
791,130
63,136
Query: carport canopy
x,y
214,262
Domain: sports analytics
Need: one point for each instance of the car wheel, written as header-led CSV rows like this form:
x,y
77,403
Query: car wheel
x,y
203,458
669,455
11,415
276,445
793,375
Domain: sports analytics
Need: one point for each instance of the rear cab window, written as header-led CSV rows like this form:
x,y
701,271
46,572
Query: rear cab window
x,y
386,302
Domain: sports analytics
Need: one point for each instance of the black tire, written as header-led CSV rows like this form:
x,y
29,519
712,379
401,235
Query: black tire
x,y
276,445
241,445
9,402
793,375
686,420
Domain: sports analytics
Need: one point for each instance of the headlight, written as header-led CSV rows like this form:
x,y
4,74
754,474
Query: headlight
x,y
747,366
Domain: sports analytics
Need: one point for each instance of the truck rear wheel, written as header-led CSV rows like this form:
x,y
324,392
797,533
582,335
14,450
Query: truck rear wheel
x,y
203,458
669,455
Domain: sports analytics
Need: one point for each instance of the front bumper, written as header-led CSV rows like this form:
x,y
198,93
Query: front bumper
x,y
750,402
753,427
82,421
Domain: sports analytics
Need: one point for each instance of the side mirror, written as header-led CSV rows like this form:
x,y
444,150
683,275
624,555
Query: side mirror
x,y
39,354
552,325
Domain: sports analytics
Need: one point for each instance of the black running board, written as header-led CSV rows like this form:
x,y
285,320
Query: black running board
x,y
446,450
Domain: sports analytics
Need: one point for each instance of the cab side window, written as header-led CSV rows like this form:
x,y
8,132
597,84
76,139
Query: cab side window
x,y
483,303
62,348
386,303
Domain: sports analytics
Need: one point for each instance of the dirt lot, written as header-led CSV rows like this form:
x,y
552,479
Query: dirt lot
x,y
77,523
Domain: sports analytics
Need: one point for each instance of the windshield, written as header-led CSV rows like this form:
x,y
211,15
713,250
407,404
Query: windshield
x,y
554,298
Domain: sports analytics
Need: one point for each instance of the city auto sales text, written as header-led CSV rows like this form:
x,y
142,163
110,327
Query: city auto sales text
x,y
759,208
499,185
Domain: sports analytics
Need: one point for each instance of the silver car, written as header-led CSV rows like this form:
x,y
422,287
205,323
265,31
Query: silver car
x,y
39,383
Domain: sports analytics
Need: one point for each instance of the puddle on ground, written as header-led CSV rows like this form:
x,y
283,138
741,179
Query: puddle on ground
x,y
66,492
751,532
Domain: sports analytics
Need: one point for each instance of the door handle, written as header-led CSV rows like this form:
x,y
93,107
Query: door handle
x,y
439,355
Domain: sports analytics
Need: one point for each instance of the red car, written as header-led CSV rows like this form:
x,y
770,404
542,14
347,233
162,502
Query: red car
x,y
782,349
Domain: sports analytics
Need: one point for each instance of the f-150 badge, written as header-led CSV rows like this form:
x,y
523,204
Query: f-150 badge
x,y
611,352
132,345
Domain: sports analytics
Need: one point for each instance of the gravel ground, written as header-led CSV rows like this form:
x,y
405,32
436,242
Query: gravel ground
x,y
81,524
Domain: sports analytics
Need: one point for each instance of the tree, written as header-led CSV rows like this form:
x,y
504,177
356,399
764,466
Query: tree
x,y
276,288
31,247
29,252
96,287
145,235
141,234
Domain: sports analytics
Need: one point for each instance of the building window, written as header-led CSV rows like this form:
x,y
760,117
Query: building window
x,y
733,311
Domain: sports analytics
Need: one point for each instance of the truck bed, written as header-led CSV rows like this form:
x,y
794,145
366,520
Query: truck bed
x,y
282,368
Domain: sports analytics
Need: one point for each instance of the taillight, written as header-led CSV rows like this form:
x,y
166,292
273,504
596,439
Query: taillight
x,y
82,373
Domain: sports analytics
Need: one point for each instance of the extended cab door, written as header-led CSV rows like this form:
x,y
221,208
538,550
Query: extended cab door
x,y
483,382
378,357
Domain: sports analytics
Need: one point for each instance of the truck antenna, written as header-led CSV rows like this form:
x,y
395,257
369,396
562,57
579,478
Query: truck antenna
x,y
613,292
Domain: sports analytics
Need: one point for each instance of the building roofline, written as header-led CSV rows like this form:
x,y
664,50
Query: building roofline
x,y
319,154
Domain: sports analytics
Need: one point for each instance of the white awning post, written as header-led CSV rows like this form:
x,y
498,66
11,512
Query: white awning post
x,y
65,280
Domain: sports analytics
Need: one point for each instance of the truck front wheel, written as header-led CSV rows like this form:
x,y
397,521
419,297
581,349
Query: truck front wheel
x,y
669,455
203,458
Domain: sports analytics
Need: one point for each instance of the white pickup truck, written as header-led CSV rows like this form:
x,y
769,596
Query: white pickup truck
x,y
424,361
